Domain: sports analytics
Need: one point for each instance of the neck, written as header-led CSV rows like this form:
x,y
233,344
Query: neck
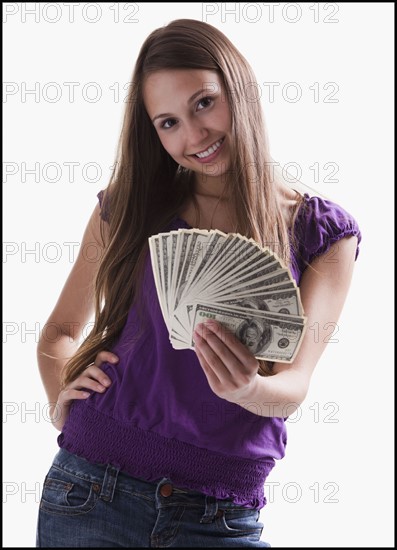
x,y
211,187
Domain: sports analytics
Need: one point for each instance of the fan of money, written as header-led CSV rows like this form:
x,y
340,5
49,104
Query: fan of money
x,y
202,275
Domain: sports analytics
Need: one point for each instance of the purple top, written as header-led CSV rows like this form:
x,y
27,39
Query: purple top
x,y
159,418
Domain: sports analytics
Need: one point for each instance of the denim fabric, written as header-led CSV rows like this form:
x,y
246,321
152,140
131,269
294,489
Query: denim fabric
x,y
86,505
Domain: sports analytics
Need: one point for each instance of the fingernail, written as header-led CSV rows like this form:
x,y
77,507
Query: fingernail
x,y
105,382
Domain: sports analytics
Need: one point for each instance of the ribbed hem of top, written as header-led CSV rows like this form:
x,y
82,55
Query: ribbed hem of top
x,y
147,455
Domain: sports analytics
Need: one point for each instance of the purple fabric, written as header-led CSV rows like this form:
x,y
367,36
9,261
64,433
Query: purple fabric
x,y
159,418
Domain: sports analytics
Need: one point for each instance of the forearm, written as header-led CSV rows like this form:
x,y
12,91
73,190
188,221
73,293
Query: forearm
x,y
279,395
60,349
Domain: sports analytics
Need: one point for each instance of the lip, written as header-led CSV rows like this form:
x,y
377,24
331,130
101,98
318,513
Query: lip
x,y
213,155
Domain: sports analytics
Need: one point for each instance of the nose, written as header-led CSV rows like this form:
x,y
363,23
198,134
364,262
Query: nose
x,y
196,136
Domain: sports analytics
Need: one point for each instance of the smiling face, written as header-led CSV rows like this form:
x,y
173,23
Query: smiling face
x,y
190,112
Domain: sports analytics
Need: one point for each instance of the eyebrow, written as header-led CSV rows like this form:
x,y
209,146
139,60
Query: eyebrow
x,y
163,115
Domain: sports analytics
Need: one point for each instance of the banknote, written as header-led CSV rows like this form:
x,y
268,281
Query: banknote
x,y
279,301
154,248
230,277
267,337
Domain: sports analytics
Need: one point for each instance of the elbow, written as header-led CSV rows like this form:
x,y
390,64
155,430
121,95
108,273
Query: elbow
x,y
293,401
40,349
54,332
301,389
292,397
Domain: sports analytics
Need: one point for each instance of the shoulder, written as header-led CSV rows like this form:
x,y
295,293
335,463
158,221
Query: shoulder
x,y
320,223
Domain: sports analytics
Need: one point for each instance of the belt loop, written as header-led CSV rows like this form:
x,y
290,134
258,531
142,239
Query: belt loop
x,y
109,483
211,508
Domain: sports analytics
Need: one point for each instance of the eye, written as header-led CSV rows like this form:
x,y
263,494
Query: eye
x,y
206,102
165,124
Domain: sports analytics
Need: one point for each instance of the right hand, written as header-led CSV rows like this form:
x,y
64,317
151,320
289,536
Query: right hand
x,y
92,378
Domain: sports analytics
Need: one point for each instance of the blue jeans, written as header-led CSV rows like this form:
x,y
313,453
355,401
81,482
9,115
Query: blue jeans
x,y
96,505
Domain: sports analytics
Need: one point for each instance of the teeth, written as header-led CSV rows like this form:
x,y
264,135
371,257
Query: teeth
x,y
210,150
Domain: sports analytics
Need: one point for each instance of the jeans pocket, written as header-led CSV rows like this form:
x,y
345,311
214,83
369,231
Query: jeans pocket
x,y
67,494
240,522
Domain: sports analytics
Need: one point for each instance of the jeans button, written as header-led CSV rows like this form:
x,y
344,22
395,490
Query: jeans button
x,y
166,490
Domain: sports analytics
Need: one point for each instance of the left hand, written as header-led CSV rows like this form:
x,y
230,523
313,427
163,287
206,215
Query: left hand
x,y
230,368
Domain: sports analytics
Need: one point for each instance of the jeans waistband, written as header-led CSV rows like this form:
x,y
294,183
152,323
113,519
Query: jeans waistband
x,y
163,492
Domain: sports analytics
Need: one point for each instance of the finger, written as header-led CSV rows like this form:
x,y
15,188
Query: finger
x,y
97,374
239,350
105,356
222,352
70,394
209,372
88,382
211,358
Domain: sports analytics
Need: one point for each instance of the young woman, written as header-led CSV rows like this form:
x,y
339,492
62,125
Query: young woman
x,y
164,447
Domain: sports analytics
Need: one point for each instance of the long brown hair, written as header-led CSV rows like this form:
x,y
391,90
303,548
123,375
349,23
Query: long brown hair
x,y
147,187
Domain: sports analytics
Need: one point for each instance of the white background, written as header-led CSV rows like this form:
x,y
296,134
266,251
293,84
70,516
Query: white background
x,y
334,487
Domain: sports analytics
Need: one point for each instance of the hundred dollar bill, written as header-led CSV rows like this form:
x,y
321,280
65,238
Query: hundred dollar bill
x,y
184,312
235,255
180,254
193,253
264,268
256,282
270,339
263,314
154,248
198,266
287,301
173,263
165,266
243,262
177,342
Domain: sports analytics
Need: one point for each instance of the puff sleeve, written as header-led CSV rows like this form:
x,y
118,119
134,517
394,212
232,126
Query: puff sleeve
x,y
321,224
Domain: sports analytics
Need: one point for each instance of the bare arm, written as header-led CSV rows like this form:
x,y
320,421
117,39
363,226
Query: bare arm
x,y
232,370
75,307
